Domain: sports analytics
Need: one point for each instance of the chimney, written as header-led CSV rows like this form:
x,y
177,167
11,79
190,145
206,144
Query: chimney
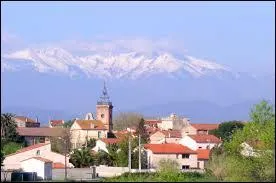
x,y
91,125
26,120
37,119
169,135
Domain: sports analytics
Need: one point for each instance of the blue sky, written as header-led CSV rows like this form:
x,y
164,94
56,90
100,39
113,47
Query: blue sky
x,y
238,34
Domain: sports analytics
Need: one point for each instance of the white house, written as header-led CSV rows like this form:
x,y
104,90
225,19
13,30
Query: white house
x,y
202,141
101,144
43,150
42,166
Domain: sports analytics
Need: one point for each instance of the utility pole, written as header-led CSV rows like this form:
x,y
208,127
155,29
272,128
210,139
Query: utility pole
x,y
129,154
139,153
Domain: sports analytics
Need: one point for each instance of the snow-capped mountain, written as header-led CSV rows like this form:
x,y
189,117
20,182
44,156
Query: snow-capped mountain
x,y
120,65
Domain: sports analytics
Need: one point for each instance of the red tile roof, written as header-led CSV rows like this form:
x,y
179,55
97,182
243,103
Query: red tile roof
x,y
29,148
203,154
205,126
23,118
58,166
169,149
57,122
204,138
40,132
91,124
40,159
172,133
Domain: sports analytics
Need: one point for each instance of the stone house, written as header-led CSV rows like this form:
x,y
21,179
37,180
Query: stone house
x,y
193,129
23,121
186,157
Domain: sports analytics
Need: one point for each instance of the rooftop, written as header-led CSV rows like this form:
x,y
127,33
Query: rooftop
x,y
205,126
91,124
169,149
29,148
42,131
24,119
57,122
204,138
40,159
203,154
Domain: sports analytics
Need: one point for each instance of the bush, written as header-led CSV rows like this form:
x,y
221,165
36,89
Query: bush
x,y
12,147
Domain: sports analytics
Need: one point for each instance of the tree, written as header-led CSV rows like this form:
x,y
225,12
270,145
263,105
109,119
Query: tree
x,y
124,120
8,129
142,131
226,129
259,134
2,157
91,143
68,124
81,158
262,112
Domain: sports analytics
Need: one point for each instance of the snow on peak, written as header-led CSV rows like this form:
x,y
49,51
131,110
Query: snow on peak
x,y
119,65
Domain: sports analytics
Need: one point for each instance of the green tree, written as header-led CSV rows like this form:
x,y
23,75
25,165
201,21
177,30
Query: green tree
x,y
91,143
2,157
141,129
226,129
68,123
259,134
8,129
262,112
81,158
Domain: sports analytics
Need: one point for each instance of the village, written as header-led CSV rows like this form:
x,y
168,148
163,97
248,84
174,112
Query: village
x,y
170,137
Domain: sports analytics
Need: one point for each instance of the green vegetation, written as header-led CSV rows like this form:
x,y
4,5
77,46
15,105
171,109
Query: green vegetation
x,y
68,124
91,143
8,129
159,177
81,158
226,129
12,147
2,157
229,164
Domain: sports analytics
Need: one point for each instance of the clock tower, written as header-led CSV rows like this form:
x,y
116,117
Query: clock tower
x,y
104,110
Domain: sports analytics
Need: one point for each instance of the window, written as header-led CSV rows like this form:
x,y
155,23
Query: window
x,y
185,156
99,134
208,147
199,147
177,156
38,152
185,167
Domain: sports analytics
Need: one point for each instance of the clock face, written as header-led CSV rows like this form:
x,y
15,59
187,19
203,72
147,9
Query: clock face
x,y
102,115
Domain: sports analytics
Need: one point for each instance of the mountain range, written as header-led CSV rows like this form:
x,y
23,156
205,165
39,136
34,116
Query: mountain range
x,y
66,84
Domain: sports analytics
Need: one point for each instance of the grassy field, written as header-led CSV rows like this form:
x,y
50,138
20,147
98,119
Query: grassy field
x,y
162,177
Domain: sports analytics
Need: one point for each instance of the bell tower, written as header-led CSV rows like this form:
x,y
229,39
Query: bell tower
x,y
104,110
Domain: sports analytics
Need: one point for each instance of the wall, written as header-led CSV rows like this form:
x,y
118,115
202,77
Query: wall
x,y
154,159
100,145
204,145
189,142
189,130
157,138
33,165
85,173
79,136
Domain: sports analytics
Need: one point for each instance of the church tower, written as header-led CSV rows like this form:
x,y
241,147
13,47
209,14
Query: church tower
x,y
104,110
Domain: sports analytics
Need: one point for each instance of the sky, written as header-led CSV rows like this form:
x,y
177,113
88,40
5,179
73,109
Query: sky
x,y
238,34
